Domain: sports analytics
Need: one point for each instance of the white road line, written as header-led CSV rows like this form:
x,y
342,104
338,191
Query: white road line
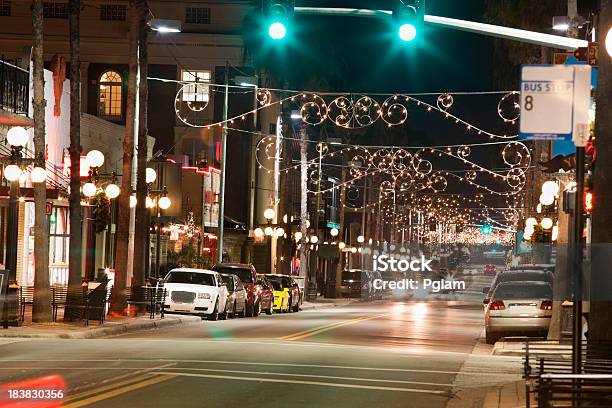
x,y
403,370
404,349
321,384
249,372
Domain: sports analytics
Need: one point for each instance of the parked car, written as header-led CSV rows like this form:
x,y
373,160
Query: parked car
x,y
355,284
281,297
248,276
518,308
490,269
532,267
301,281
514,276
236,295
376,293
196,291
266,295
291,287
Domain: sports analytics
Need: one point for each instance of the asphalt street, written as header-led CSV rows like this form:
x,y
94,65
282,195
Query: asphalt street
x,y
392,354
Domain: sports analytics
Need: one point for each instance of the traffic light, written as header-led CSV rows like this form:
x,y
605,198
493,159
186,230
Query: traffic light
x,y
588,202
486,229
409,16
278,15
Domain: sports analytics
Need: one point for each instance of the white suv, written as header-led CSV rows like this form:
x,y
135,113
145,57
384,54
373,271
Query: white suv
x,y
196,291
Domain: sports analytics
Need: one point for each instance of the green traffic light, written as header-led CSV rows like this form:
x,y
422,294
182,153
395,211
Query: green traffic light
x,y
486,229
407,32
277,30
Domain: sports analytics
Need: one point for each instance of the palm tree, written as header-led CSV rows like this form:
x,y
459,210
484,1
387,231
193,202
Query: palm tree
x,y
41,309
118,298
74,298
141,185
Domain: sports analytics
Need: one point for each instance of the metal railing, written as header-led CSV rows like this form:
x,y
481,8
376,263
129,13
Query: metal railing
x,y
548,374
14,88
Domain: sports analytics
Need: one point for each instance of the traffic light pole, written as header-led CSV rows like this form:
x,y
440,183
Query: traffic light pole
x,y
223,160
578,255
530,37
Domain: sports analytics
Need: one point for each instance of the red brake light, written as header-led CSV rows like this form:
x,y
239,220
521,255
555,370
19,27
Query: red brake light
x,y
497,305
546,305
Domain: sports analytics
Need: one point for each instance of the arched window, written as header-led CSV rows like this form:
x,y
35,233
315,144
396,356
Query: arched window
x,y
109,96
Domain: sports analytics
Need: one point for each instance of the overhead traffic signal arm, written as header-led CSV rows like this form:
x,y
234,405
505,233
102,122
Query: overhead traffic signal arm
x,y
525,36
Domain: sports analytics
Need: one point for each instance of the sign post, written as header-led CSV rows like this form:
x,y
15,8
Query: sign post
x,y
555,103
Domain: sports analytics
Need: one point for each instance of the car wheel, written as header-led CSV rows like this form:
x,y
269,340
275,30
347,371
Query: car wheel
x,y
215,313
296,308
223,316
491,338
234,309
269,309
249,310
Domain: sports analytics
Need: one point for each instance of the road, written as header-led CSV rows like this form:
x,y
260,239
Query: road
x,y
392,354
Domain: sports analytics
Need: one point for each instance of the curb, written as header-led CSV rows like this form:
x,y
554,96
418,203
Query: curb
x,y
98,332
321,305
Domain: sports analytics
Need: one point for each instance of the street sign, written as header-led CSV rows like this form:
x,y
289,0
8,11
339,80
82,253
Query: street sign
x,y
554,100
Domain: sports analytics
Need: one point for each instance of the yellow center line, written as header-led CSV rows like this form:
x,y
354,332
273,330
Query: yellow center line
x,y
327,327
119,391
107,387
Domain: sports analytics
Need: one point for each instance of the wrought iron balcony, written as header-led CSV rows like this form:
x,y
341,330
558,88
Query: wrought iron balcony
x,y
14,88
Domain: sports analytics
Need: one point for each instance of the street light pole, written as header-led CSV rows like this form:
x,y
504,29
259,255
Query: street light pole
x,y
223,165
578,251
157,239
13,230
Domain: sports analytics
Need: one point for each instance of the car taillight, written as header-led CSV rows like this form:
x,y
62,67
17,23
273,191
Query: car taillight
x,y
546,305
497,305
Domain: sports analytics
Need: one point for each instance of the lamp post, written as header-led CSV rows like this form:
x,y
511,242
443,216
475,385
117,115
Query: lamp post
x,y
17,137
160,200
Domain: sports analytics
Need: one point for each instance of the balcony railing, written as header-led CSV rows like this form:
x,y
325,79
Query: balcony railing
x,y
14,88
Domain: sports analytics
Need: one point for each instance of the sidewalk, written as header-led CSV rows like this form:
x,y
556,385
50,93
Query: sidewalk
x,y
111,326
503,387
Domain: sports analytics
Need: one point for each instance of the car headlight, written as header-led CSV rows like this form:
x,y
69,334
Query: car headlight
x,y
203,295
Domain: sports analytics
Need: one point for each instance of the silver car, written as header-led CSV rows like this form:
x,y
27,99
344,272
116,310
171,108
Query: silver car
x,y
518,308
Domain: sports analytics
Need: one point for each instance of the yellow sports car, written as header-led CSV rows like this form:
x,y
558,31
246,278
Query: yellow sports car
x,y
281,297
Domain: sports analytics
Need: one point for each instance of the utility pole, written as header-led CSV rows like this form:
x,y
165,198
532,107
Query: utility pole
x,y
223,165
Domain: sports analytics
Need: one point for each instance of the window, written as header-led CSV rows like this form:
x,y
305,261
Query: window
x,y
5,7
198,92
59,233
55,10
113,12
110,96
197,15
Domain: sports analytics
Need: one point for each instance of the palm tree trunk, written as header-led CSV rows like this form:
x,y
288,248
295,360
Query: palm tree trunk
x,y
118,298
141,226
600,320
41,309
74,299
303,204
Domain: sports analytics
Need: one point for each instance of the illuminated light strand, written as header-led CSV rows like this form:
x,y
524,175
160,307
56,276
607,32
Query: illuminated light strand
x,y
350,113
